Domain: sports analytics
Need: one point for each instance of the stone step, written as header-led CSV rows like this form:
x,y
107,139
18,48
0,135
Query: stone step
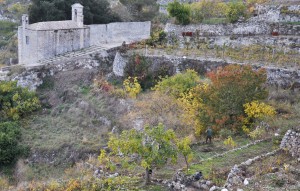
x,y
83,52
65,57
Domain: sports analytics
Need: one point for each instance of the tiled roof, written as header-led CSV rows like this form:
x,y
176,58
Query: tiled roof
x,y
54,25
77,5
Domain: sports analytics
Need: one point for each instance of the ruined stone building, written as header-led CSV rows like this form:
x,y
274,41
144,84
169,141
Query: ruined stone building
x,y
45,40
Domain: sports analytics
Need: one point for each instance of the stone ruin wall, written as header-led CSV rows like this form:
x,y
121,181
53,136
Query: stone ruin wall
x,y
238,35
270,27
291,142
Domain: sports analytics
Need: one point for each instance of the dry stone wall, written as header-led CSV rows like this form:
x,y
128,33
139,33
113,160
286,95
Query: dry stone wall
x,y
237,35
291,142
277,13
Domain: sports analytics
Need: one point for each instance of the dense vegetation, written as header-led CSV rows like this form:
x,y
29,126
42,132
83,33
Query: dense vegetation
x,y
212,12
15,103
121,133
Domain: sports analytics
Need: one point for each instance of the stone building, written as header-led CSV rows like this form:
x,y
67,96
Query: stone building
x,y
45,40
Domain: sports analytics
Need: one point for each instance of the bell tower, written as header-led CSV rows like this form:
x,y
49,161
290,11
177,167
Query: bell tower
x,y
77,14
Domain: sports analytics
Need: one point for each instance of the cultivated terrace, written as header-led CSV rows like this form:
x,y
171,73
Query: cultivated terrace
x,y
208,99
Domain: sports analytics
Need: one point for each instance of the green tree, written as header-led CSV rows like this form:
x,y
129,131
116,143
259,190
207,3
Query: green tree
x,y
9,137
141,10
180,11
16,101
154,146
235,10
184,147
178,84
95,11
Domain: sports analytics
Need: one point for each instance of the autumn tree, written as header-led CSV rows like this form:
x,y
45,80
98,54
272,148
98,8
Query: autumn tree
x,y
231,87
154,146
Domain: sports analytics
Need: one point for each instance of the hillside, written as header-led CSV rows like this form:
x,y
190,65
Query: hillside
x,y
212,104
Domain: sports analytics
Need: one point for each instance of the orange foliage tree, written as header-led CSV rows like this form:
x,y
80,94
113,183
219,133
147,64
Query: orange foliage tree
x,y
231,87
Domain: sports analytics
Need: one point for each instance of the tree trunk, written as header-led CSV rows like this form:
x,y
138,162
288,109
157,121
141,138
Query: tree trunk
x,y
187,164
147,176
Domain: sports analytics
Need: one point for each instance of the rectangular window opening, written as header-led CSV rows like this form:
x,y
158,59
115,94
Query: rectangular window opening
x,y
27,39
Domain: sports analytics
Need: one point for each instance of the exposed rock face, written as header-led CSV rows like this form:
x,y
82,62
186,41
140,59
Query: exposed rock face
x,y
33,77
291,142
119,65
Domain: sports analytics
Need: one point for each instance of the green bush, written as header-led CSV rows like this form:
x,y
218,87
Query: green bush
x,y
9,137
180,11
178,84
235,10
16,101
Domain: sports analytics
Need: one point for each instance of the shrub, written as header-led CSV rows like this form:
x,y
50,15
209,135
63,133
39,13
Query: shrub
x,y
16,101
204,10
178,84
180,11
132,87
230,142
9,137
235,10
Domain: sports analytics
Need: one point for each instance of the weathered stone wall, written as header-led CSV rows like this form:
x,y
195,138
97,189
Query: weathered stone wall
x,y
47,44
119,32
291,142
44,44
237,35
277,13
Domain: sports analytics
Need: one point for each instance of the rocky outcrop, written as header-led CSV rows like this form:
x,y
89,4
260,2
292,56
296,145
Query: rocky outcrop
x,y
119,65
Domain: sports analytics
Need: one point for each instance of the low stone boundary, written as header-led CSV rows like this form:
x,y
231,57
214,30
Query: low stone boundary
x,y
291,142
236,175
233,150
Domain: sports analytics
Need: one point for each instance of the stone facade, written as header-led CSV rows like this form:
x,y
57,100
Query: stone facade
x,y
45,40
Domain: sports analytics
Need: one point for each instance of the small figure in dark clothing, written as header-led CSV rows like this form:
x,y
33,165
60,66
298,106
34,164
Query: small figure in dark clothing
x,y
209,133
198,176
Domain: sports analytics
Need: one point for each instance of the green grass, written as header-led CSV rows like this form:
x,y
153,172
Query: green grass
x,y
223,164
292,23
217,147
